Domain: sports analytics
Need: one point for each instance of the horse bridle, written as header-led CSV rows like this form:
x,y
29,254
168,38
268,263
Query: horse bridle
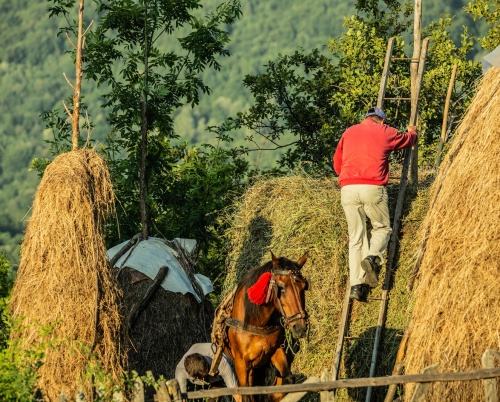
x,y
273,289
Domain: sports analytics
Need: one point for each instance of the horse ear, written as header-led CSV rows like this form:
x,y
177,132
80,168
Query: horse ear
x,y
275,260
302,260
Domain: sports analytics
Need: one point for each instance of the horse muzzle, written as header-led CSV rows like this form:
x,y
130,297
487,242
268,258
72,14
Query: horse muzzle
x,y
299,329
298,325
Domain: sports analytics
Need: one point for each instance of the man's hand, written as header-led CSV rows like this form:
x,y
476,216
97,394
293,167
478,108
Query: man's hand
x,y
411,128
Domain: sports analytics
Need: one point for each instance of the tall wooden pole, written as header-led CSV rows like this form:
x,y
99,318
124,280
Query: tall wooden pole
x,y
143,186
417,36
75,116
444,127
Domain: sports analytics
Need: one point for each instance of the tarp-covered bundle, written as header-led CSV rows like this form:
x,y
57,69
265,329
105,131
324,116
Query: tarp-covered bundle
x,y
165,314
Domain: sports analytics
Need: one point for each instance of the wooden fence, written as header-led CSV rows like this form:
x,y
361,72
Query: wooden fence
x,y
169,391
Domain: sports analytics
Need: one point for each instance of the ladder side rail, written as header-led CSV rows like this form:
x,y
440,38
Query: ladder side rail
x,y
395,230
385,72
414,110
344,327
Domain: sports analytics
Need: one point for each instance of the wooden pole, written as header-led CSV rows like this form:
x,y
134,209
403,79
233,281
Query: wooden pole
x,y
349,383
444,127
150,292
143,187
415,89
75,116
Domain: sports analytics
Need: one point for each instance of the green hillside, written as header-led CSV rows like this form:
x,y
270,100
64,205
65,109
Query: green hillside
x,y
33,61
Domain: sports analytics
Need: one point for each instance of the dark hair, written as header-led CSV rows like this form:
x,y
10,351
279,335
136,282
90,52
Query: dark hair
x,y
196,366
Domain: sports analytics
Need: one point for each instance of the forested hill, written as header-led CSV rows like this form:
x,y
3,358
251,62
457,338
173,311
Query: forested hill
x,y
33,61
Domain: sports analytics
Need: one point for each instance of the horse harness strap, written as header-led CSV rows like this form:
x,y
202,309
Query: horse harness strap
x,y
239,325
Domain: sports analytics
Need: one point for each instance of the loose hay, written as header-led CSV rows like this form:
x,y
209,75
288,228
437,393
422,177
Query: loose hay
x,y
456,300
288,216
64,277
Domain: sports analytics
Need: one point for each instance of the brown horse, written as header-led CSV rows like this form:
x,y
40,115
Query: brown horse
x,y
269,301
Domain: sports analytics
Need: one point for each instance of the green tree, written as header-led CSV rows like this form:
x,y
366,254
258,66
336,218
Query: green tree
x,y
144,85
306,101
489,10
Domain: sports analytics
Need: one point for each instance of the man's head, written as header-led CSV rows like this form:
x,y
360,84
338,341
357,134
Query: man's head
x,y
197,366
376,114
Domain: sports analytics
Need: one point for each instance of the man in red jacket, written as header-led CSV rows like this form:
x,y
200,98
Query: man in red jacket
x,y
362,162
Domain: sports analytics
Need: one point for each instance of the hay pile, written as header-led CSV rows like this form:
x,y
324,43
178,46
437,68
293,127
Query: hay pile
x,y
288,216
457,302
64,277
166,328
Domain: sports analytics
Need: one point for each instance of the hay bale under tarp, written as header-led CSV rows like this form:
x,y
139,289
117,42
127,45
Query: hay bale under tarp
x,y
457,303
64,276
169,321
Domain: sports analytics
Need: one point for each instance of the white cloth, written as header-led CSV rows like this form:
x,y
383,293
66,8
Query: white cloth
x,y
148,256
207,350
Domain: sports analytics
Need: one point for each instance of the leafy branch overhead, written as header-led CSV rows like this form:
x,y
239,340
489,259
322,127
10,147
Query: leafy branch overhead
x,y
304,102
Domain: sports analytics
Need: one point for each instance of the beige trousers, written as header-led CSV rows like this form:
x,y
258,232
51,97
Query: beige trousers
x,y
362,201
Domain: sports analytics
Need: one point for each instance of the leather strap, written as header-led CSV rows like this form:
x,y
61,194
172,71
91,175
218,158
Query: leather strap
x,y
241,326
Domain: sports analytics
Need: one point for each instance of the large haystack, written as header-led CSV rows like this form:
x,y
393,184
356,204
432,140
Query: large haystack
x,y
288,216
457,302
64,277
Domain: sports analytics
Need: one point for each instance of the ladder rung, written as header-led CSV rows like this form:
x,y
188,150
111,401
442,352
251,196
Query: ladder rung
x,y
397,98
405,58
358,337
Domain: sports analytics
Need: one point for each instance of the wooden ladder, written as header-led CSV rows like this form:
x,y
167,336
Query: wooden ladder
x,y
384,299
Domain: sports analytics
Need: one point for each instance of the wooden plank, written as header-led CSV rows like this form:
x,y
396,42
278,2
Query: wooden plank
x,y
138,392
398,368
350,383
175,391
343,329
385,73
490,385
162,394
444,126
326,396
296,396
422,388
137,309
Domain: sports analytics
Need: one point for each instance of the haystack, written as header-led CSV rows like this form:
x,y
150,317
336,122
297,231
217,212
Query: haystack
x,y
64,278
457,302
290,215
168,313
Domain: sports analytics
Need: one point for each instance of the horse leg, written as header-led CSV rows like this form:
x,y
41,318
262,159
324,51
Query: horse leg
x,y
244,374
281,363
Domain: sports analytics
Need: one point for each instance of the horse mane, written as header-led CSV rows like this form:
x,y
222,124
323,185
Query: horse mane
x,y
251,276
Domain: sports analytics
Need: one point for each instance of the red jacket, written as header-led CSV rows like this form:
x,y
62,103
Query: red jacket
x,y
362,155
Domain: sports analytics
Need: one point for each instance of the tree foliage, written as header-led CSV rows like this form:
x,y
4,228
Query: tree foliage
x,y
489,11
306,101
126,56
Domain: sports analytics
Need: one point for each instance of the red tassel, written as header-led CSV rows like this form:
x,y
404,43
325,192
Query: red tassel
x,y
258,291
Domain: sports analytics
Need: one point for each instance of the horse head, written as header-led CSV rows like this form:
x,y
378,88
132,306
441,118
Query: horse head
x,y
289,286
